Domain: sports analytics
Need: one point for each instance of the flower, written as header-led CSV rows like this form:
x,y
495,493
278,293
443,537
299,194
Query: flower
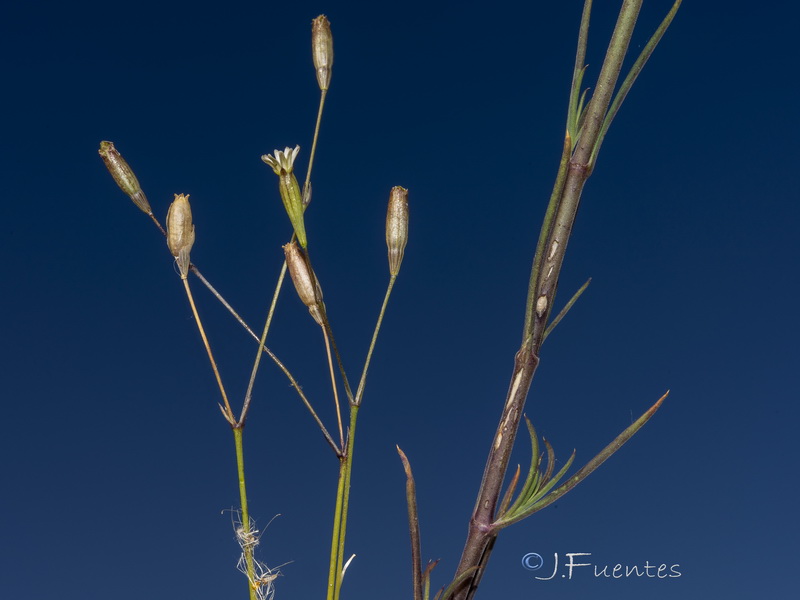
x,y
282,162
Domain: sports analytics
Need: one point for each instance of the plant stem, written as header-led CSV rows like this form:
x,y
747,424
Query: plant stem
x,y
346,461
269,352
413,527
333,580
348,471
363,382
261,346
226,411
342,506
323,94
544,279
246,548
333,384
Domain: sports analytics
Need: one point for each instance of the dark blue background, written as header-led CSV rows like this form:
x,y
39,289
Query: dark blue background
x,y
116,464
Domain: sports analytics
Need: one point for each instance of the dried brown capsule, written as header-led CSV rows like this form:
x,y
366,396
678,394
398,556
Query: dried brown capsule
x,y
397,227
305,282
180,232
322,50
123,174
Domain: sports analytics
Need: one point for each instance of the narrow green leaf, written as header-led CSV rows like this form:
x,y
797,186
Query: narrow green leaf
x,y
455,583
547,487
579,68
576,107
533,471
631,77
565,310
586,470
512,486
551,462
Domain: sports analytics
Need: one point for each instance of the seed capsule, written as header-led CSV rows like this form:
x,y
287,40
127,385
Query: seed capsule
x,y
397,227
123,174
305,282
322,50
180,232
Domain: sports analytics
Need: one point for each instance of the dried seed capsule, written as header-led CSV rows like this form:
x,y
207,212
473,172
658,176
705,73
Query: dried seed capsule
x,y
322,50
305,282
180,232
283,163
397,227
123,175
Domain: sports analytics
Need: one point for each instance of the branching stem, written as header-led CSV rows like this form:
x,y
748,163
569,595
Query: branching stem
x,y
551,248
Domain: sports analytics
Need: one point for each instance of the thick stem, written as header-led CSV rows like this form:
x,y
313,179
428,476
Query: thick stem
x,y
541,294
481,535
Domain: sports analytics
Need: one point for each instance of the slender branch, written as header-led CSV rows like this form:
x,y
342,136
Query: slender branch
x,y
248,396
362,383
226,411
333,385
158,224
336,569
342,372
322,96
193,268
271,354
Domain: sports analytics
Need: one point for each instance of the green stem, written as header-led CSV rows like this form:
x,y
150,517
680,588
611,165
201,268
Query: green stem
x,y
246,548
261,345
346,461
337,526
348,471
322,96
340,514
363,382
